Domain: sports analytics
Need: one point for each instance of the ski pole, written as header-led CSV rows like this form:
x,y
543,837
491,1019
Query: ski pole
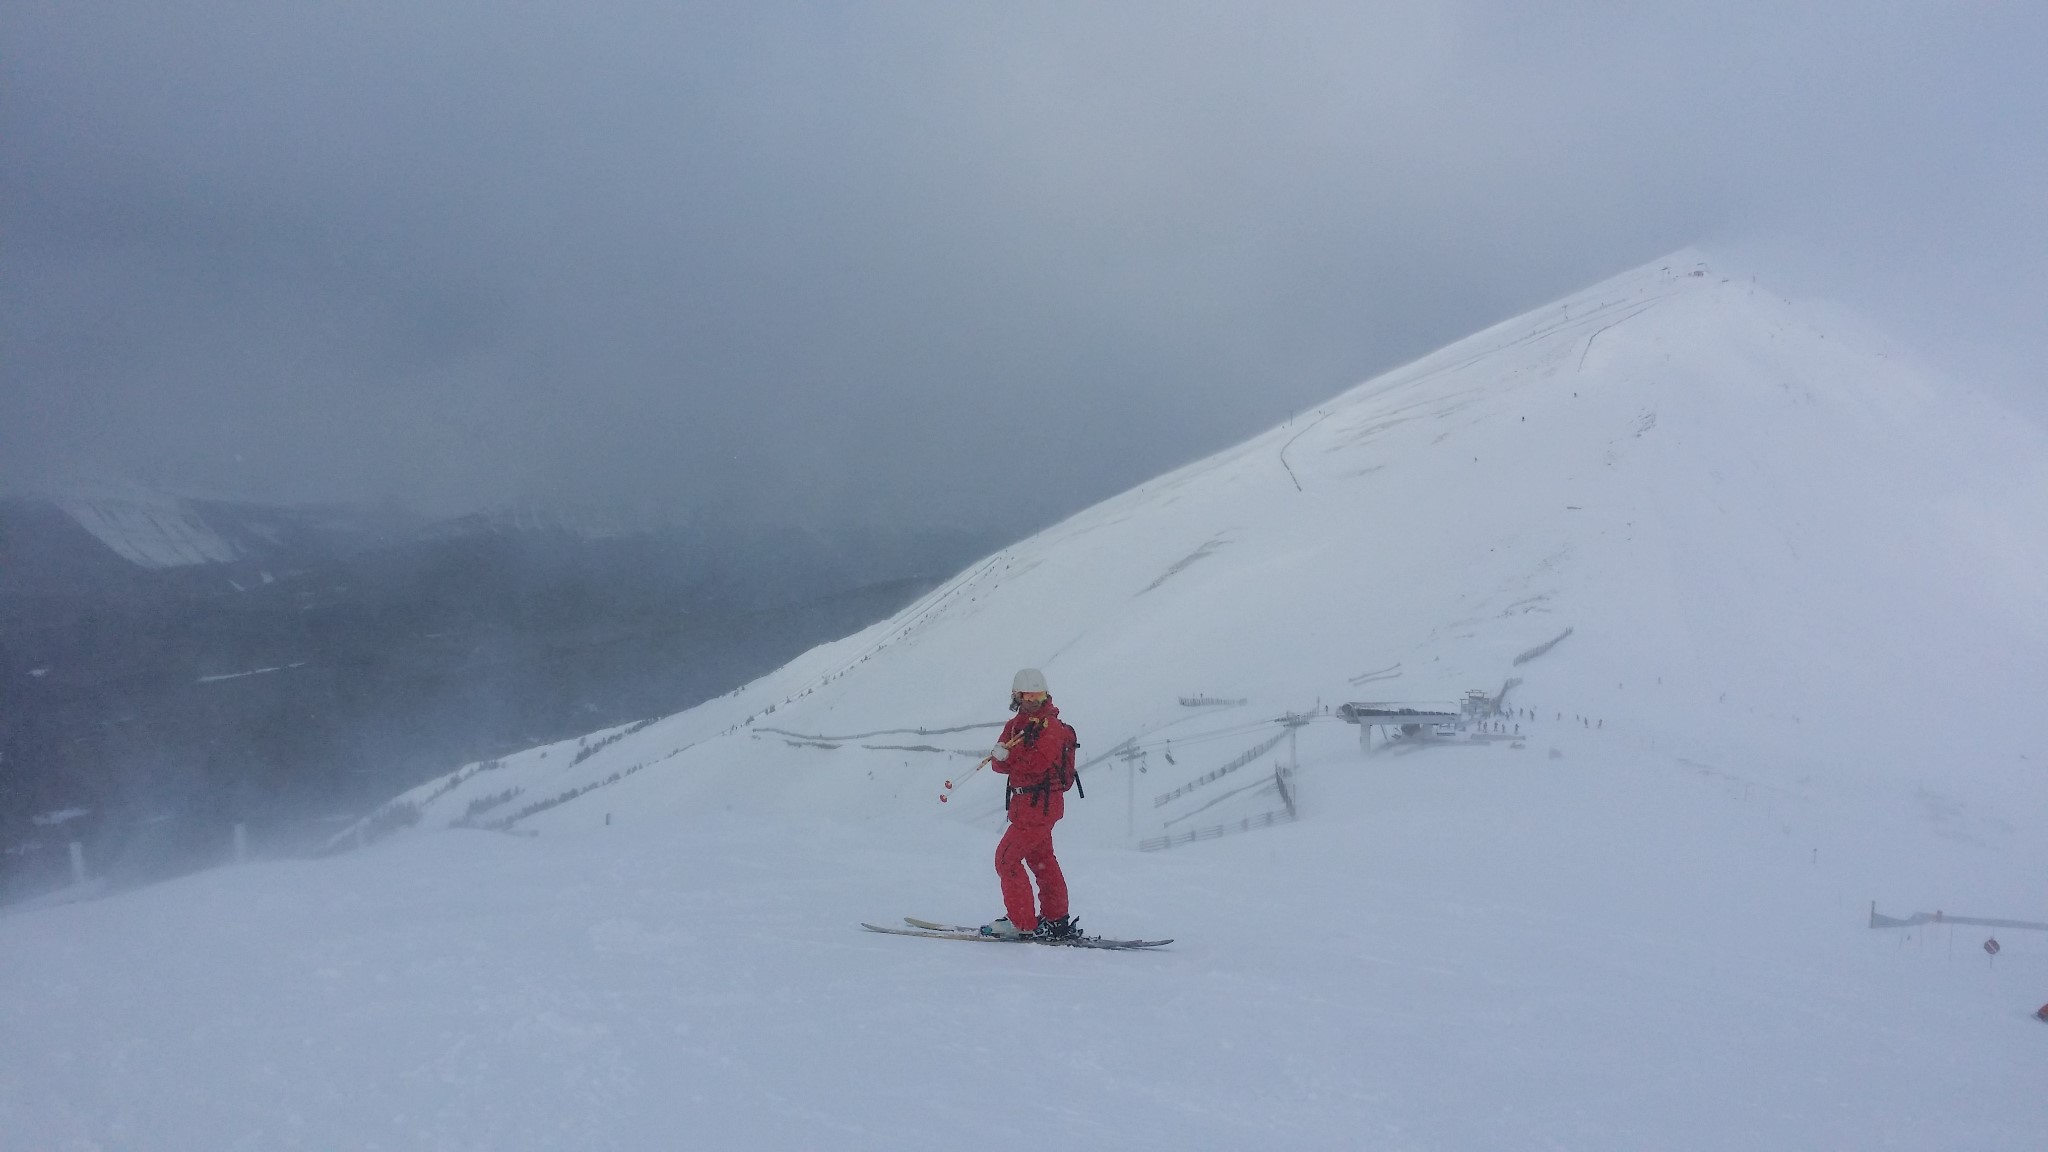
x,y
985,760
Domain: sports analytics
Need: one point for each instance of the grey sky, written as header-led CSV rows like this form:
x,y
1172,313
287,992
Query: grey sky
x,y
968,263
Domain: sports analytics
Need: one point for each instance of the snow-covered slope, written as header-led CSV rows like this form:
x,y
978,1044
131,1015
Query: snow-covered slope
x,y
155,529
1767,602
148,528
1773,539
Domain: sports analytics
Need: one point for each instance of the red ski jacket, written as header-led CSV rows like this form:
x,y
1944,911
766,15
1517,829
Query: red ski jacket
x,y
1040,767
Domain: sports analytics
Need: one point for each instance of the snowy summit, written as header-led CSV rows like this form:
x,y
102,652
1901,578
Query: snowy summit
x,y
1742,613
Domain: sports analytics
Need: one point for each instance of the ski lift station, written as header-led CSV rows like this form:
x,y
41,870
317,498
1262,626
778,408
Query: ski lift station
x,y
1419,723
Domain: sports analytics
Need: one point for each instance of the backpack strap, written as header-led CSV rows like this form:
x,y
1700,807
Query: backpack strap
x,y
1068,769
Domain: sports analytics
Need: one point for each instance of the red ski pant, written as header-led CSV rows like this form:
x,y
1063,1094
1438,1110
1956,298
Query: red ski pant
x,y
1028,846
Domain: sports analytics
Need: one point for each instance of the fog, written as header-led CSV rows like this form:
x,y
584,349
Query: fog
x,y
969,265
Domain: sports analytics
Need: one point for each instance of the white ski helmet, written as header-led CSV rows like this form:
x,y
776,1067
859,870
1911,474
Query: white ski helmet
x,y
1027,680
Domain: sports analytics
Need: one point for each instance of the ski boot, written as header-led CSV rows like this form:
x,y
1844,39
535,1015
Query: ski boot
x,y
1001,929
1064,928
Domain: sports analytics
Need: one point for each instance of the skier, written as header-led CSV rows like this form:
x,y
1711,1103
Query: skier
x,y
1036,751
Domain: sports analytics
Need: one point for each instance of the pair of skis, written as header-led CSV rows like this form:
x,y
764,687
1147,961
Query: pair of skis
x,y
933,931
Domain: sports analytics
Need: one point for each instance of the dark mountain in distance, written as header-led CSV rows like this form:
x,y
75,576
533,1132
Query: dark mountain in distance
x,y
170,667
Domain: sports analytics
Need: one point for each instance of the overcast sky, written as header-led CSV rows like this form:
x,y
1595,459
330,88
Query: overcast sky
x,y
972,264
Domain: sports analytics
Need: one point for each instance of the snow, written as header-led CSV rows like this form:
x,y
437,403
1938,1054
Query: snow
x,y
250,672
147,528
1803,578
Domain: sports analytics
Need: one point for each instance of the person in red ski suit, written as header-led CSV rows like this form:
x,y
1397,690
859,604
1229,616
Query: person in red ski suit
x,y
1036,752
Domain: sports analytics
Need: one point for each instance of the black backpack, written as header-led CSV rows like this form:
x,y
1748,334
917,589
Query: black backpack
x,y
1070,777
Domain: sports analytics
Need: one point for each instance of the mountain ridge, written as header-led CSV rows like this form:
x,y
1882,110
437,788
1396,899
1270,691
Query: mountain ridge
x,y
1767,535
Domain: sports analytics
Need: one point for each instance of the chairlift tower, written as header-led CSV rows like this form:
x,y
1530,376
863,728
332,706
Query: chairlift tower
x,y
1133,757
1293,722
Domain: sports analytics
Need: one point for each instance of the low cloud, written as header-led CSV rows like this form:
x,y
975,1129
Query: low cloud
x,y
924,262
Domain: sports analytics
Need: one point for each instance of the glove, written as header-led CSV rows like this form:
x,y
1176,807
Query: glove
x,y
1000,753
